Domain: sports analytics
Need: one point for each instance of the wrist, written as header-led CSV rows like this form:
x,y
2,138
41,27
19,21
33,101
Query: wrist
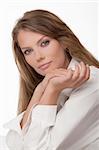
x,y
50,96
53,89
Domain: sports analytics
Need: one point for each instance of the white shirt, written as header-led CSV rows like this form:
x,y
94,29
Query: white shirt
x,y
70,125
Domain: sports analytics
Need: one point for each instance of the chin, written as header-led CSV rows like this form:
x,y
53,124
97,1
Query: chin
x,y
45,72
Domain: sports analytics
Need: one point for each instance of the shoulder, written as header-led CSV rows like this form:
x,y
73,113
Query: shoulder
x,y
91,85
94,71
94,78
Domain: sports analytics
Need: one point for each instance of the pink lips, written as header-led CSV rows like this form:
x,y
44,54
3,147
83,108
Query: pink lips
x,y
44,66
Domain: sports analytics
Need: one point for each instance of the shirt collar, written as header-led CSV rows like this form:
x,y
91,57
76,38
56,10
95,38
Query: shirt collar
x,y
66,92
72,64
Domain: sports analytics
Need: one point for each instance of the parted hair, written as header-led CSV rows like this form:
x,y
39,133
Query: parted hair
x,y
46,23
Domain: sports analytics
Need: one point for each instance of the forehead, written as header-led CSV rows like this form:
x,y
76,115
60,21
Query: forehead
x,y
26,37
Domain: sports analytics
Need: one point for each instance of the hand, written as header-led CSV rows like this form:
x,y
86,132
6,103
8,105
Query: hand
x,y
39,90
70,78
59,79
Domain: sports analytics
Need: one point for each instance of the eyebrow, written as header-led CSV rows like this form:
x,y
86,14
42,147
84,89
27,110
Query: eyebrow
x,y
23,48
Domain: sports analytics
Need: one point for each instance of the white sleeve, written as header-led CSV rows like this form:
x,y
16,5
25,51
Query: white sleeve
x,y
37,136
75,126
77,123
49,131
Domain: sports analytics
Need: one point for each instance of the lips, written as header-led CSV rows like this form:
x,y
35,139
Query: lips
x,y
44,66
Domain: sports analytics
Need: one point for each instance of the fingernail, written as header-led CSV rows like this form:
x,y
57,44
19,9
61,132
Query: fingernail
x,y
76,66
87,65
82,62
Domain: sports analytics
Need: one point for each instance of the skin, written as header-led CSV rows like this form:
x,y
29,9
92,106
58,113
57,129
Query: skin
x,y
39,49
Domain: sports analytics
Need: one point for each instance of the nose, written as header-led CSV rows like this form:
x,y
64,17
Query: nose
x,y
39,55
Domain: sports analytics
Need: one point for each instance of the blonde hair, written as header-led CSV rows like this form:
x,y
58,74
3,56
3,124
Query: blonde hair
x,y
47,23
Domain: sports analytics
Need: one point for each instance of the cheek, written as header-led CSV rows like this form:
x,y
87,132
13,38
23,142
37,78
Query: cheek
x,y
58,54
59,59
30,61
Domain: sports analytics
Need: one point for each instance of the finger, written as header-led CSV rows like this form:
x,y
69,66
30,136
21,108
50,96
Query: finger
x,y
83,71
79,74
87,72
76,73
67,73
80,82
59,74
48,77
56,72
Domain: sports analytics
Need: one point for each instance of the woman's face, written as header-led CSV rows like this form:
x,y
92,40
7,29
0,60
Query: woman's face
x,y
41,52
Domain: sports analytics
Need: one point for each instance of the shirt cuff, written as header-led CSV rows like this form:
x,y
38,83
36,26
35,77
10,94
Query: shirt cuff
x,y
45,114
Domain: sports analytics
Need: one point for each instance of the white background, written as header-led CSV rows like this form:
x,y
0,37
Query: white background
x,y
82,18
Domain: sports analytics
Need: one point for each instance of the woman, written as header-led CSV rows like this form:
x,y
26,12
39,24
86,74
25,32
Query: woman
x,y
58,99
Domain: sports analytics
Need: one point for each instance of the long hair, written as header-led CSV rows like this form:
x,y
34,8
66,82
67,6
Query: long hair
x,y
46,23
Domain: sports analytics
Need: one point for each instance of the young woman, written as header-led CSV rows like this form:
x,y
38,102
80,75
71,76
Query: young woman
x,y
59,90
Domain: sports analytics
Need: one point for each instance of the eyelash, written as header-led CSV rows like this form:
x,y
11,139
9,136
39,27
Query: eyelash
x,y
28,51
46,42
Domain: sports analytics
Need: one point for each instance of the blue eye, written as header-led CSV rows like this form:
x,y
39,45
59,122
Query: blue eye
x,y
45,43
27,51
